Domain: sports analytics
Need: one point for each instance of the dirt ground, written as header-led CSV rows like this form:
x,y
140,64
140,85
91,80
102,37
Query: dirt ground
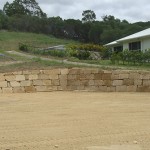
x,y
75,121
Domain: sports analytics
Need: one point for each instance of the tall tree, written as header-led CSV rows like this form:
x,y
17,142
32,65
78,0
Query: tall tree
x,y
3,20
88,16
23,7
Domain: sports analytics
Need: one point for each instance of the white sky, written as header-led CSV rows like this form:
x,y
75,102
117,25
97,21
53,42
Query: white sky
x,y
131,10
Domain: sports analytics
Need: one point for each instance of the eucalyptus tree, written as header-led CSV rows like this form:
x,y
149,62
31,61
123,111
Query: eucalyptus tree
x,y
23,7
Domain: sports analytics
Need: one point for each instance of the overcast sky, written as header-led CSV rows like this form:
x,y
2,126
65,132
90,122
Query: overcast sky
x,y
131,10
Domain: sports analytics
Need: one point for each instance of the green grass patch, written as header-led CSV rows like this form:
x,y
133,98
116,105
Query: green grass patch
x,y
11,40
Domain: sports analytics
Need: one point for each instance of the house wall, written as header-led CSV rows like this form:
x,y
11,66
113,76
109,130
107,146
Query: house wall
x,y
80,79
125,46
146,44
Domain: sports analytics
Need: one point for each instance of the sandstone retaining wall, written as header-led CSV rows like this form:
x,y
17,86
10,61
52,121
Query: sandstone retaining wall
x,y
75,79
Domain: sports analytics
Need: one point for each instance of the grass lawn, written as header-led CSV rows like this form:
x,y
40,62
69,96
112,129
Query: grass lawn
x,y
11,40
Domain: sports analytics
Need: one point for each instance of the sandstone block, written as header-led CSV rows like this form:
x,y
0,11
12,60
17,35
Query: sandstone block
x,y
138,82
106,76
123,76
74,71
116,72
64,71
3,84
2,77
102,88
7,90
84,82
14,84
53,76
59,88
91,88
72,77
63,77
62,88
107,72
131,88
37,82
91,82
93,71
17,73
99,82
54,88
73,82
71,87
47,82
43,88
63,83
52,71
143,89
1,90
146,82
90,76
30,89
85,71
117,82
115,76
82,76
128,82
111,89
10,77
80,87
55,82
35,71
20,77
25,83
18,90
122,88
145,76
107,82
98,76
33,77
134,75
26,72
43,76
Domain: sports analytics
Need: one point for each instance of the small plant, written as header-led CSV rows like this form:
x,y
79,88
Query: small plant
x,y
23,47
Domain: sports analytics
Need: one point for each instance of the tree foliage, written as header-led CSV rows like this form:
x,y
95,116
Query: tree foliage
x,y
88,16
23,7
27,16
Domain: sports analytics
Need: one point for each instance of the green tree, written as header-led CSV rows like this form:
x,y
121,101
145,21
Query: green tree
x,y
3,20
95,33
88,16
23,7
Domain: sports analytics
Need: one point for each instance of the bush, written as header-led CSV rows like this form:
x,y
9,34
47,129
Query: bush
x,y
23,47
88,47
58,53
83,55
131,57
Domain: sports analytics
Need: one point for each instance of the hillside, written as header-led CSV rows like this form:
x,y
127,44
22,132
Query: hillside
x,y
11,40
11,60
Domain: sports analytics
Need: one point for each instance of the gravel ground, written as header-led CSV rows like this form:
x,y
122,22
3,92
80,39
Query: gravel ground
x,y
75,121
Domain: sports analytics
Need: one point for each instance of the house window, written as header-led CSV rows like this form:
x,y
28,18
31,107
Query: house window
x,y
118,49
135,46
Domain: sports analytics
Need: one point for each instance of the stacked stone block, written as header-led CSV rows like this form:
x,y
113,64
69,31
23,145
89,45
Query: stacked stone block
x,y
75,79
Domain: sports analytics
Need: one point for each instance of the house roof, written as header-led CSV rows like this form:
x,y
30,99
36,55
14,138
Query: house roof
x,y
141,34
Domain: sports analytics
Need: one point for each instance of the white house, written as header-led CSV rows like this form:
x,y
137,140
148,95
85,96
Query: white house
x,y
137,41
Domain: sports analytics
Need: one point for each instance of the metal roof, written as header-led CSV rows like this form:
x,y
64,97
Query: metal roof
x,y
141,34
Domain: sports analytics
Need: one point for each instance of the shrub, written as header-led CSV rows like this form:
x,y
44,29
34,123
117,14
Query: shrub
x,y
133,57
23,47
83,55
